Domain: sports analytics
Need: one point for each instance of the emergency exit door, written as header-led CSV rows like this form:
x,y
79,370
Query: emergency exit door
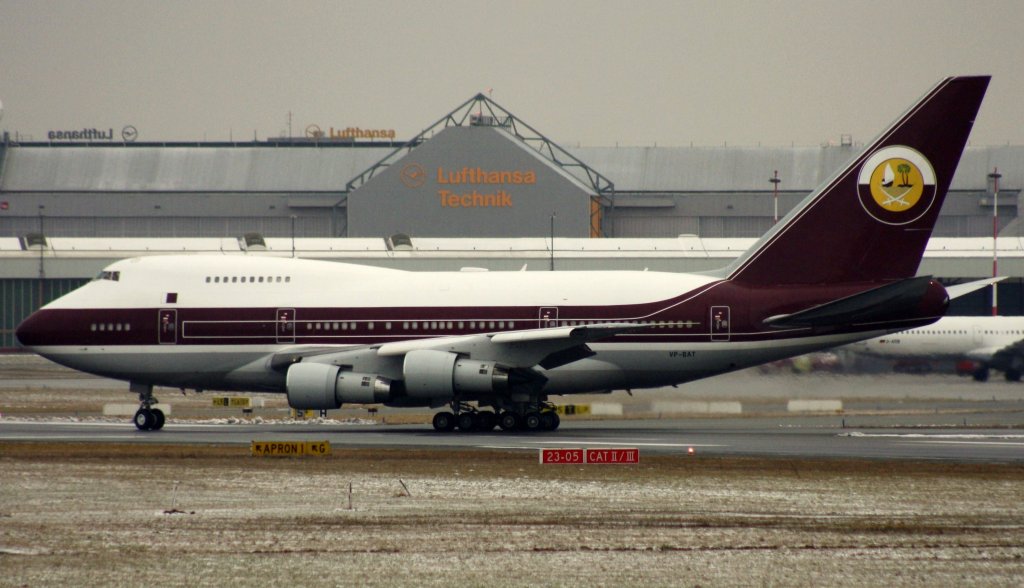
x,y
720,327
167,326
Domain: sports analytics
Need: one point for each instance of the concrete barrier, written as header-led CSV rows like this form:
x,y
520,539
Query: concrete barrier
x,y
696,407
606,409
130,409
815,406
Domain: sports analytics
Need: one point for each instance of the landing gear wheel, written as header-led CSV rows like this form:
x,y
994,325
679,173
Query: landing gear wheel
x,y
488,420
980,374
468,421
1012,375
556,420
444,421
508,421
547,421
532,421
158,419
145,419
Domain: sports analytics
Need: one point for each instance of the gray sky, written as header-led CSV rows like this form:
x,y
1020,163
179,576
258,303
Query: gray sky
x,y
587,72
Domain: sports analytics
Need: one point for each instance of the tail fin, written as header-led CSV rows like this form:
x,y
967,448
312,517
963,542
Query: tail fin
x,y
871,221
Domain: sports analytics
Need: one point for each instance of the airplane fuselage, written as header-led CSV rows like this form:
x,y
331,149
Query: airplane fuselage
x,y
212,322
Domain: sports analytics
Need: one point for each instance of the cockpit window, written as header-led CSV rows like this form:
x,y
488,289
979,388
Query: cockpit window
x,y
109,275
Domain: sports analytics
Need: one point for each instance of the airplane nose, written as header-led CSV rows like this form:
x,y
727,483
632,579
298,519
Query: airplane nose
x,y
29,332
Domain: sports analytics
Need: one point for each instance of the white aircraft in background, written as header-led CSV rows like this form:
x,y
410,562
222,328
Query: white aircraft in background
x,y
992,342
493,346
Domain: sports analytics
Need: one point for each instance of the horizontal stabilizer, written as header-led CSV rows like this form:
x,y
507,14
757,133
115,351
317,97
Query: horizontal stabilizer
x,y
878,304
963,289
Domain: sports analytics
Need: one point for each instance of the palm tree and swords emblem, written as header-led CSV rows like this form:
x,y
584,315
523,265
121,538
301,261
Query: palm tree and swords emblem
x,y
896,184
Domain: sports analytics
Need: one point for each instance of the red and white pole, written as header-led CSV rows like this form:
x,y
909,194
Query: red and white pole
x,y
995,175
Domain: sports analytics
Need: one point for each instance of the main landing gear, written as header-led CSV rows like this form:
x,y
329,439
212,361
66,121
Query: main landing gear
x,y
465,418
147,418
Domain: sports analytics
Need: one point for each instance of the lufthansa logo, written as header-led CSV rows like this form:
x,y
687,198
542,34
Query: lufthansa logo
x,y
314,132
413,175
896,185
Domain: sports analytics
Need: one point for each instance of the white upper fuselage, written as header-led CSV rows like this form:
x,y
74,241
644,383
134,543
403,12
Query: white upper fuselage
x,y
951,337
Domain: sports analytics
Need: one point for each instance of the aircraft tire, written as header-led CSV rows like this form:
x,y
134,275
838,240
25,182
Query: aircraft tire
x,y
547,421
508,421
158,419
980,374
532,421
1012,375
556,420
444,421
144,419
467,421
488,420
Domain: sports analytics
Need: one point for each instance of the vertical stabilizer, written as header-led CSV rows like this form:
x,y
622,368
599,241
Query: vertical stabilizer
x,y
871,221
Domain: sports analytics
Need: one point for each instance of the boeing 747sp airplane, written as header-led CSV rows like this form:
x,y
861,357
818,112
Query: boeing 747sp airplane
x,y
493,347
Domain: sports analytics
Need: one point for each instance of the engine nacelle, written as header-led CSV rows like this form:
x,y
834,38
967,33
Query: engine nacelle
x,y
320,386
435,374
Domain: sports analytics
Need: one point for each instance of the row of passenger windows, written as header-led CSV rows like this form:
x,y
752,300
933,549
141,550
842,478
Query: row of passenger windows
x,y
411,325
472,325
110,327
247,279
963,332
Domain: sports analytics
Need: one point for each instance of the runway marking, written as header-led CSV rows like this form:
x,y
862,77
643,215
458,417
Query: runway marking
x,y
932,436
945,442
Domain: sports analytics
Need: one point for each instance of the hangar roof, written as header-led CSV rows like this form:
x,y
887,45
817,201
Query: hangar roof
x,y
116,168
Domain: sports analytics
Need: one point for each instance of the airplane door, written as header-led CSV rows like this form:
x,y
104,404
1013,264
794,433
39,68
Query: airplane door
x,y
167,326
547,316
720,323
285,325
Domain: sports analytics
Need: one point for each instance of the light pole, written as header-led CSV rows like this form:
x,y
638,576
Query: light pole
x,y
995,175
42,252
775,194
552,241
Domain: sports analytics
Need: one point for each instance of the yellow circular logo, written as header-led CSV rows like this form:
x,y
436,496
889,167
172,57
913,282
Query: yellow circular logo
x,y
896,184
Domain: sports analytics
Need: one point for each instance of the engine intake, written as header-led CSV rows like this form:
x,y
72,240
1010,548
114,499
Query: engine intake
x,y
438,374
320,386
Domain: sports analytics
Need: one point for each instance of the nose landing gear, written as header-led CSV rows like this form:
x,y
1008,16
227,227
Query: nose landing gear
x,y
147,418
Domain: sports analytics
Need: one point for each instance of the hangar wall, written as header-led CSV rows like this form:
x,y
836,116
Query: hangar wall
x,y
217,190
472,181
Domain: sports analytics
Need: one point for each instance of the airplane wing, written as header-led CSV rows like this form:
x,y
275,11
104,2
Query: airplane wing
x,y
549,347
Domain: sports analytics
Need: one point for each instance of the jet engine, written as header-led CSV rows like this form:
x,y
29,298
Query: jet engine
x,y
438,374
320,386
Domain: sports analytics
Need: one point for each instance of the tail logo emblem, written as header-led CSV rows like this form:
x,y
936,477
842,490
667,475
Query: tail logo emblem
x,y
896,185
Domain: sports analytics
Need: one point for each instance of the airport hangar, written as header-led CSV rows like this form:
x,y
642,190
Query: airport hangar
x,y
480,188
